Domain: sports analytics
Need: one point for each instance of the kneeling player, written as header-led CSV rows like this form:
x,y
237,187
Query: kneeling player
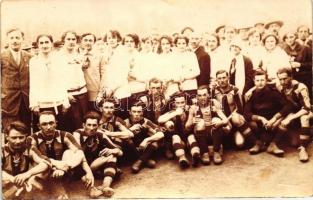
x,y
146,137
100,152
229,97
207,120
62,150
175,121
297,93
17,157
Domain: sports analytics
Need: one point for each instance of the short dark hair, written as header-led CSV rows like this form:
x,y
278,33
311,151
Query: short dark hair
x,y
15,29
114,33
138,104
65,33
155,80
17,125
181,37
203,87
286,70
44,35
85,34
177,94
222,71
135,37
106,99
91,115
259,72
47,112
269,35
285,35
186,28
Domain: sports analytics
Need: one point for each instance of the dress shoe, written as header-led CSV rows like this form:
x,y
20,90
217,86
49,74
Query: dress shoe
x,y
151,163
273,148
183,162
256,148
169,154
137,166
217,158
303,155
205,159
95,192
195,159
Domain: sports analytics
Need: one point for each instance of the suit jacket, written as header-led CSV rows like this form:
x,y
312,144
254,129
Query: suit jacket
x,y
204,65
249,83
14,82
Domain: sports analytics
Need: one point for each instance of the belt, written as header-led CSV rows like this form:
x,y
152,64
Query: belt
x,y
77,90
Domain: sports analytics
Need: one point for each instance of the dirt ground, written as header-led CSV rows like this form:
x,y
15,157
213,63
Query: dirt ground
x,y
241,175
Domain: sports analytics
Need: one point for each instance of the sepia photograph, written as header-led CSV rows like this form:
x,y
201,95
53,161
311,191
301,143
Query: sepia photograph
x,y
156,99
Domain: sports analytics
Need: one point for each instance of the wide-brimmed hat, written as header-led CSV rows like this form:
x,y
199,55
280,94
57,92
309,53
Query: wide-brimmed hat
x,y
280,23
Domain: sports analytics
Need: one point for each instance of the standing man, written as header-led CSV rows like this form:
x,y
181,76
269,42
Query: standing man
x,y
303,33
15,80
204,60
93,67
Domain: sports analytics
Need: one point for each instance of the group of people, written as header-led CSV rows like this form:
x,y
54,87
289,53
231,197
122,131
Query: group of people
x,y
77,108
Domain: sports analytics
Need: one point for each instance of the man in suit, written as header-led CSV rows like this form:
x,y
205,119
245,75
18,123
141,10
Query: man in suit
x,y
203,59
15,80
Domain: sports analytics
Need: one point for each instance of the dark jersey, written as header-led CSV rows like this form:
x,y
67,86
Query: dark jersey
x,y
14,162
229,100
297,95
266,103
148,128
154,109
55,147
92,145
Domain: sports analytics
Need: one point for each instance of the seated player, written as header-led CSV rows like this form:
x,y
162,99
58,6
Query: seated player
x,y
18,175
146,137
100,152
113,126
62,150
175,121
155,107
229,97
297,93
206,120
264,109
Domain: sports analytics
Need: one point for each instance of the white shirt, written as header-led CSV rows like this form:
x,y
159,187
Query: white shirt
x,y
274,60
189,69
46,78
73,73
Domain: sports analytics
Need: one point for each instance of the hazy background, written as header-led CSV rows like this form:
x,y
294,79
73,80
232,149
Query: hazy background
x,y
143,16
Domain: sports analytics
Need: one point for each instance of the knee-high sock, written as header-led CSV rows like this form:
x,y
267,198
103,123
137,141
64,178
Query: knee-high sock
x,y
217,138
202,140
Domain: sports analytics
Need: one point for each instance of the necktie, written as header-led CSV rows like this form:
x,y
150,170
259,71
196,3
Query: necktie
x,y
232,71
